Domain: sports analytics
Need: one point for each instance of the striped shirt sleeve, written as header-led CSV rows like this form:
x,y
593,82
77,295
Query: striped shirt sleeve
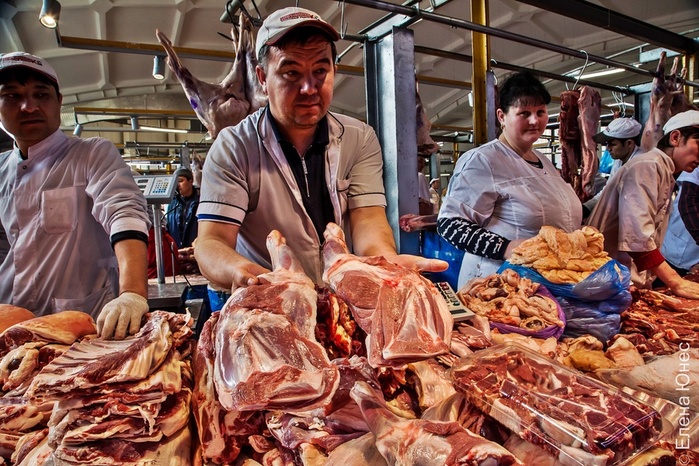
x,y
472,238
688,207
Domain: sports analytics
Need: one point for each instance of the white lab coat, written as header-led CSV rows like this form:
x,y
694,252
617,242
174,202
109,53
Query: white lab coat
x,y
495,188
59,208
634,209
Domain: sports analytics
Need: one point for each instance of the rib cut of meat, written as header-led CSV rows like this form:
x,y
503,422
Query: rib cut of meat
x,y
407,442
95,362
239,94
404,316
569,135
266,353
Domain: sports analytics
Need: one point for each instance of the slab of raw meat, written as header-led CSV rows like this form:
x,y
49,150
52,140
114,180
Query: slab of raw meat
x,y
266,353
404,316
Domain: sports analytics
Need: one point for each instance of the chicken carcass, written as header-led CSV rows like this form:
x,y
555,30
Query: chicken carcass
x,y
238,95
407,442
404,316
267,356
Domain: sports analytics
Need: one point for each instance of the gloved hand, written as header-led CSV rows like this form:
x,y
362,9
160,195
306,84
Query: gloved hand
x,y
122,316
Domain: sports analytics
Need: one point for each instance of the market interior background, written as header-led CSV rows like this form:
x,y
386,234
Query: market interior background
x,y
104,51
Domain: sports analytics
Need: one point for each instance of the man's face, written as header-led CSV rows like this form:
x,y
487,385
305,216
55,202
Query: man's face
x,y
31,112
619,150
184,186
299,82
686,154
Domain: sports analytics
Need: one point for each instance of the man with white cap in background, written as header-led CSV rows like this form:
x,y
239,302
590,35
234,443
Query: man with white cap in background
x,y
622,138
77,223
293,166
635,205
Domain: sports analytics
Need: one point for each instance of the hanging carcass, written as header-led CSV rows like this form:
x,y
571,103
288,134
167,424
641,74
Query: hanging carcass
x,y
238,95
578,118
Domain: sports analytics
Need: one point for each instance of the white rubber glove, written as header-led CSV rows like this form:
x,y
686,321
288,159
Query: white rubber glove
x,y
122,316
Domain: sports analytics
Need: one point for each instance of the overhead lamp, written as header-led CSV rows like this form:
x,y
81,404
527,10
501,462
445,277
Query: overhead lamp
x,y
134,123
158,67
597,74
50,12
164,130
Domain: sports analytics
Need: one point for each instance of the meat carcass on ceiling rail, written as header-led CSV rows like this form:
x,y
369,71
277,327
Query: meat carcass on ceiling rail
x,y
238,95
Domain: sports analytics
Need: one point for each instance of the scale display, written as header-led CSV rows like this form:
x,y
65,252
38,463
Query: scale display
x,y
158,189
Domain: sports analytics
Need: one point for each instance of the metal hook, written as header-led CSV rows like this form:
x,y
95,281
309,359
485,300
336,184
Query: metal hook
x,y
587,61
343,25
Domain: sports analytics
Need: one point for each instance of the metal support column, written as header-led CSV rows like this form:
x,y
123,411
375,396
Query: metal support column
x,y
481,62
391,111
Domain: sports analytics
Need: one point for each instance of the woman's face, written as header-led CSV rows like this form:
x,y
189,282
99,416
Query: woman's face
x,y
524,122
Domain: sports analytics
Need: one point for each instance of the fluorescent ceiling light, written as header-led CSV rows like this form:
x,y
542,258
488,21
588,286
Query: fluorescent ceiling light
x,y
164,130
597,74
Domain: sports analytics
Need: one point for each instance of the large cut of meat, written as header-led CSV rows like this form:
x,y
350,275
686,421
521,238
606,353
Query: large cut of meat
x,y
425,144
569,135
667,99
579,118
238,95
569,415
407,442
402,312
266,353
590,107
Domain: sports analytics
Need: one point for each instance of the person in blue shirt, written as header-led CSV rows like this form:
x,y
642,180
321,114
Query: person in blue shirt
x,y
182,211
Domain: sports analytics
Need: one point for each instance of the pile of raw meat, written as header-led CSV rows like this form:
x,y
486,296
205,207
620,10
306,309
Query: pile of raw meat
x,y
266,389
26,348
117,402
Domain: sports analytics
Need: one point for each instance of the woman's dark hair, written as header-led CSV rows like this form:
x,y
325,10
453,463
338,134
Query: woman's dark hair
x,y
22,75
687,132
298,36
522,87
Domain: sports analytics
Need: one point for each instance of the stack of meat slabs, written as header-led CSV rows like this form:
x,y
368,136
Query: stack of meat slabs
x,y
578,420
658,323
119,402
26,346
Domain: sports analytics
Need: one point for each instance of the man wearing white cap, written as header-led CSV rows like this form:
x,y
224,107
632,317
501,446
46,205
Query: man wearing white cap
x,y
76,221
293,166
621,137
635,205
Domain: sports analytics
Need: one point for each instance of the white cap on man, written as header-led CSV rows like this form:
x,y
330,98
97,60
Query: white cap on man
x,y
682,120
619,128
284,20
27,60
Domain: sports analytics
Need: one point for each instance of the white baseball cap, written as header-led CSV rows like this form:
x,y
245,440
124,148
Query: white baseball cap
x,y
27,60
282,21
619,128
682,120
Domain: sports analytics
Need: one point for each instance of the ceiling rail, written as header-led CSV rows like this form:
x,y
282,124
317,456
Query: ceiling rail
x,y
463,24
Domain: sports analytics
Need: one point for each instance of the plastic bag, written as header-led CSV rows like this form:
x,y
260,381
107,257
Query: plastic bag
x,y
606,162
593,318
602,284
550,331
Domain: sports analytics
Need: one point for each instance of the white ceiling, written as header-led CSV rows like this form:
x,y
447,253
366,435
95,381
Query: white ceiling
x,y
122,79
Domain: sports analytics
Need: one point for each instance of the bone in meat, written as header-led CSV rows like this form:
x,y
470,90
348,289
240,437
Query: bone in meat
x,y
402,312
226,104
590,107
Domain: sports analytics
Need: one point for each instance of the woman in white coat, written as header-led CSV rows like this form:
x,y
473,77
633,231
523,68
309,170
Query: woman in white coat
x,y
503,192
